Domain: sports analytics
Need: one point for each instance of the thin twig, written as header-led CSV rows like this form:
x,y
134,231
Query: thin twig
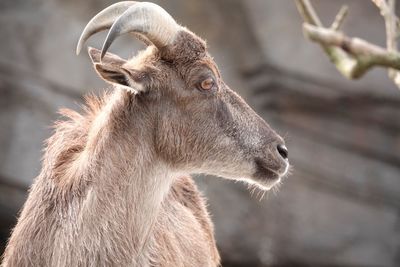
x,y
308,13
341,15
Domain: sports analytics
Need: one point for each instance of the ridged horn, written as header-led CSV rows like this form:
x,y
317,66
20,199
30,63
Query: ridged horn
x,y
148,19
103,21
144,18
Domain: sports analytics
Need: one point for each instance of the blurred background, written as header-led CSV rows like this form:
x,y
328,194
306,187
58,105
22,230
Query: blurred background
x,y
341,205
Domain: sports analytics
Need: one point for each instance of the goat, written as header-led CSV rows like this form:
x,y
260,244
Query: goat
x,y
114,188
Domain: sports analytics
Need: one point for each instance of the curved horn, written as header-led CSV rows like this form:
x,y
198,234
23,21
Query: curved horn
x,y
103,21
145,18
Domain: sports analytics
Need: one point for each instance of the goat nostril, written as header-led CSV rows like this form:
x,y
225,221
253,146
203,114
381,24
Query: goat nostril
x,y
283,151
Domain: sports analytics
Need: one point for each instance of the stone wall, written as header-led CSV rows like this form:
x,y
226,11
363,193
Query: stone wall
x,y
341,205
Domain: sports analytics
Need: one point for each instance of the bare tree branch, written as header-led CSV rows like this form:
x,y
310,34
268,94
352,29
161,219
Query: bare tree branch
x,y
391,24
368,53
343,62
353,57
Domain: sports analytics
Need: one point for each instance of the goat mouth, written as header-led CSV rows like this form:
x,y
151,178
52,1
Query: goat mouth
x,y
266,175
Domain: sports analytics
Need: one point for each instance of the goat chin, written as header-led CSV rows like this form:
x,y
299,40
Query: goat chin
x,y
264,186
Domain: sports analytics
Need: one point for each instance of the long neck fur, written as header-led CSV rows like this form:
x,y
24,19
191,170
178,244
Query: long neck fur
x,y
100,190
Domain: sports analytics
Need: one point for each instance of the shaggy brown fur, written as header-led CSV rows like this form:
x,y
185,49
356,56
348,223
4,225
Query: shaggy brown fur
x,y
48,208
114,190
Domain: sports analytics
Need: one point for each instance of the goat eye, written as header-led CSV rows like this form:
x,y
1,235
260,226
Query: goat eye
x,y
207,84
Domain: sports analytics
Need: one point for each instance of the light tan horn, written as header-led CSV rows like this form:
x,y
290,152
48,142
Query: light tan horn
x,y
147,19
103,21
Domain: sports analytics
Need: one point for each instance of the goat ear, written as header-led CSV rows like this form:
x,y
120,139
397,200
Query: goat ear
x,y
108,58
112,74
111,70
